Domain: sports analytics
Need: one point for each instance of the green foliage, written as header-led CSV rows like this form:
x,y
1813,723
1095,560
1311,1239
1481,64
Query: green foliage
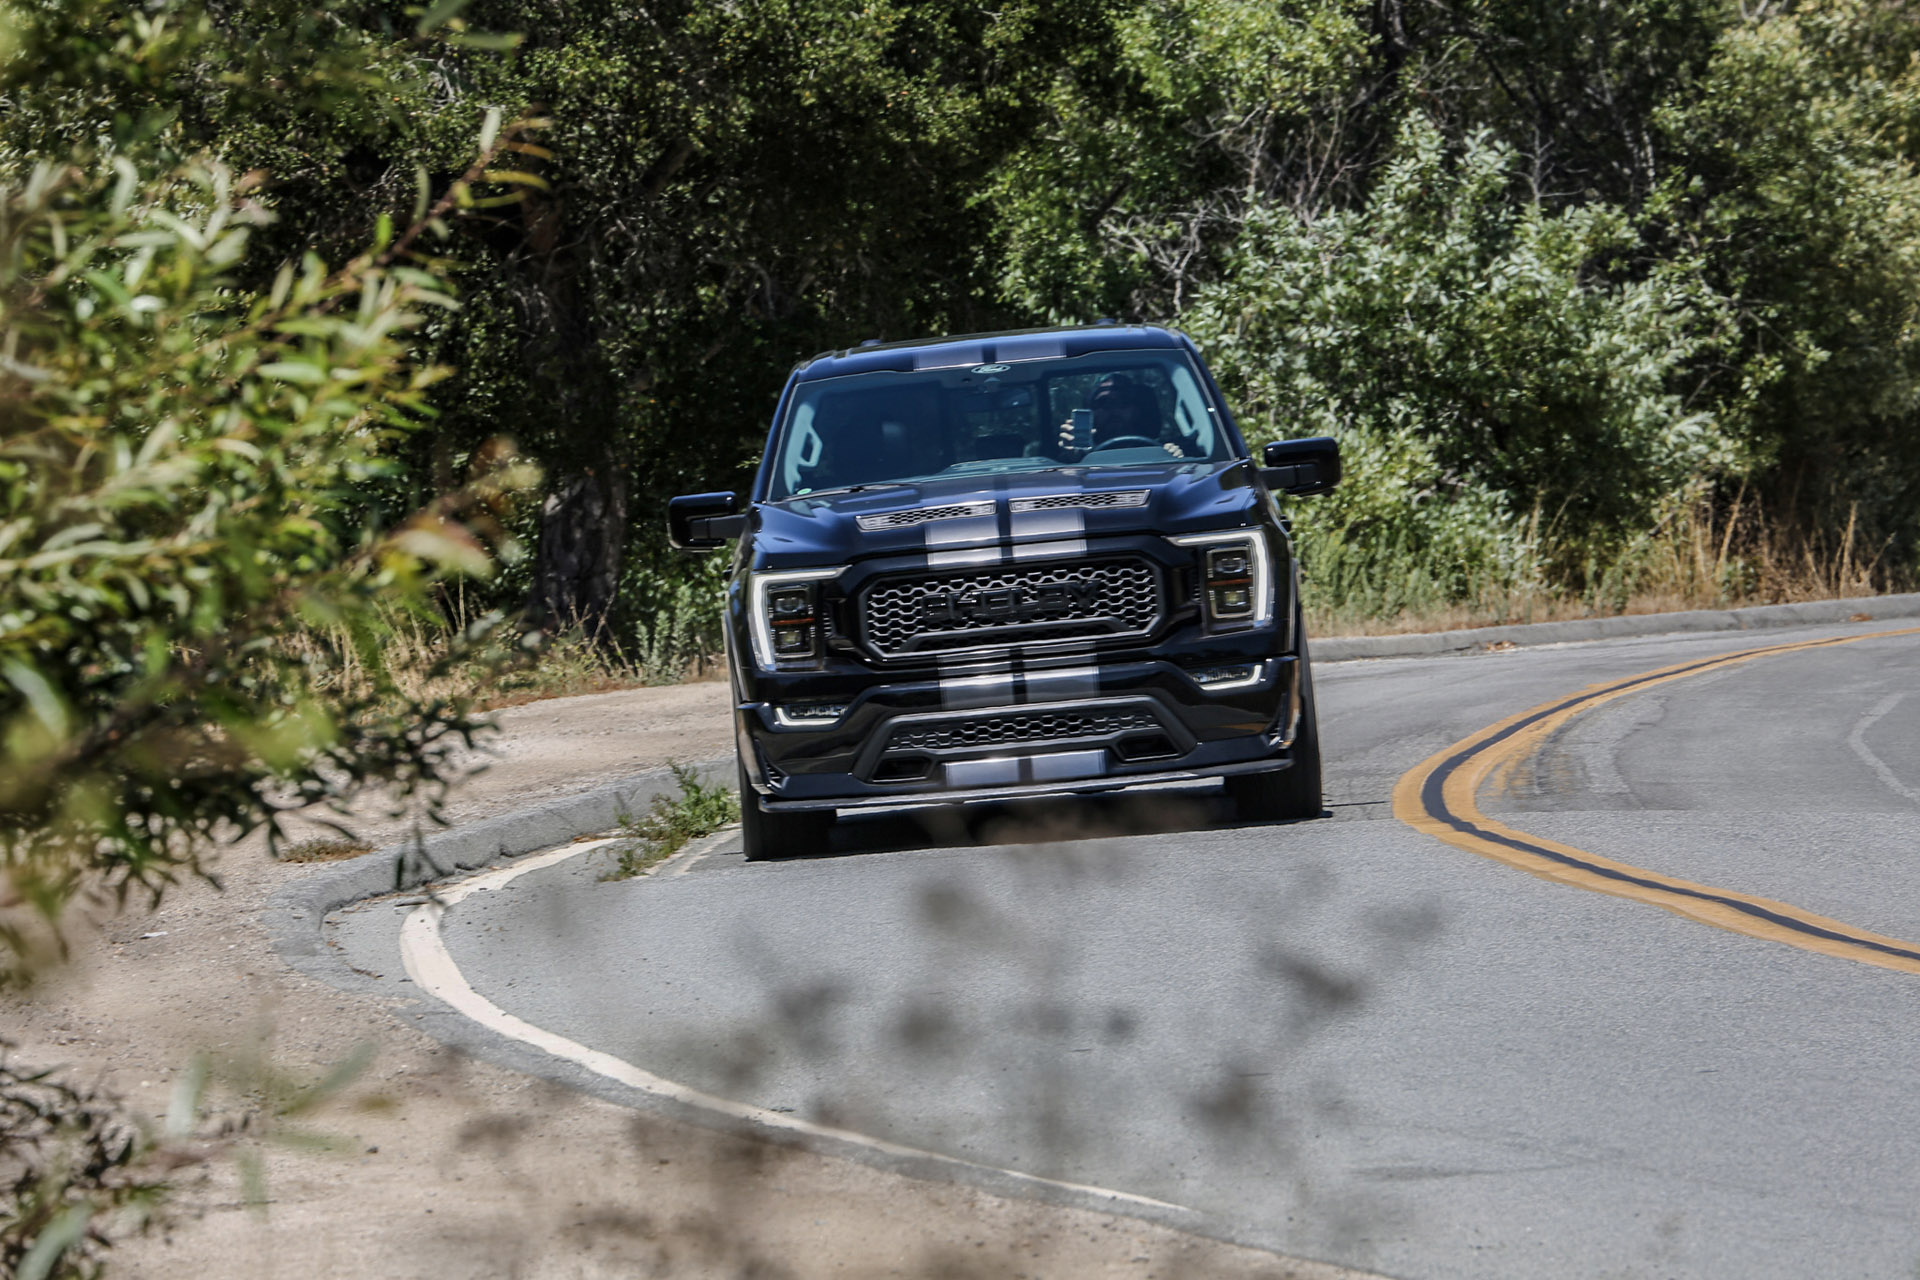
x,y
676,604
671,821
1798,174
1552,273
1479,367
1171,117
731,187
190,474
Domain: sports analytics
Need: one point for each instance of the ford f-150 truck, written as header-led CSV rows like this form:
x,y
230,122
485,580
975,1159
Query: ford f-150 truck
x,y
1006,565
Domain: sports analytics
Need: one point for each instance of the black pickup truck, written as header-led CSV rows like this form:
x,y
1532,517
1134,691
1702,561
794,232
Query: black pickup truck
x,y
1006,565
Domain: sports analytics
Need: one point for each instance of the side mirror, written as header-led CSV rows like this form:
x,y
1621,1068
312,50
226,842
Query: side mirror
x,y
703,521
1301,467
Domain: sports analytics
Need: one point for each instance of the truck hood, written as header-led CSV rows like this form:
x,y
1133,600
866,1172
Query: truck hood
x,y
956,512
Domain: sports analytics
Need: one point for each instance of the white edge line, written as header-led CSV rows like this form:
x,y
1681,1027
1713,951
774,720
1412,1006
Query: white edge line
x,y
683,861
1858,741
424,952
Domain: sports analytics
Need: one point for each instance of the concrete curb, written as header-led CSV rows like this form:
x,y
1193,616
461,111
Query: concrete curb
x,y
1813,613
294,916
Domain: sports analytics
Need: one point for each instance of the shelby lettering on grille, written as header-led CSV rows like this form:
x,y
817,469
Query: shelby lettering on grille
x,y
1119,597
1008,604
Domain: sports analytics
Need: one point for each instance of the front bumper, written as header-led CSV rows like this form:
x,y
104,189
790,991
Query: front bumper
x,y
1010,733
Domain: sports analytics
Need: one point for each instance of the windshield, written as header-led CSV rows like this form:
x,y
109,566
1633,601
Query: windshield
x,y
1113,408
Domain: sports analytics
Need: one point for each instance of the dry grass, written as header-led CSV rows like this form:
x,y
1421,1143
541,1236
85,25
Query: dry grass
x,y
1697,557
417,663
323,849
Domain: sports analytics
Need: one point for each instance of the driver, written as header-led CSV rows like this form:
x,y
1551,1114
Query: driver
x,y
1122,409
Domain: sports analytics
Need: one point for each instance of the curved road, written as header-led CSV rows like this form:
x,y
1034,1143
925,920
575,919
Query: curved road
x,y
1349,1039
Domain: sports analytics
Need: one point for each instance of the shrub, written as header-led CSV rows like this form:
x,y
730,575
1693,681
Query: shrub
x,y
190,473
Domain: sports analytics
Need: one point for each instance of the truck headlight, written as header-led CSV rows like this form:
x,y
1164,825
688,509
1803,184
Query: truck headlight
x,y
785,619
1236,575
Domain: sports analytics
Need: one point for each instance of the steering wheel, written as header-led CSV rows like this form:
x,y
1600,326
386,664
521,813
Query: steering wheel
x,y
1125,442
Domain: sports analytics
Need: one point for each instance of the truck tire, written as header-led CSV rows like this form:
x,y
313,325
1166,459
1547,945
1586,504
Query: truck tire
x,y
1292,793
767,835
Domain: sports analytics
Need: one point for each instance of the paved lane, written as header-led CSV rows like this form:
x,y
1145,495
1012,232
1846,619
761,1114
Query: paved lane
x,y
1344,1039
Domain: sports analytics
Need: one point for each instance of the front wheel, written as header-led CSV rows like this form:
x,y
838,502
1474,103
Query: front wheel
x,y
1291,793
767,835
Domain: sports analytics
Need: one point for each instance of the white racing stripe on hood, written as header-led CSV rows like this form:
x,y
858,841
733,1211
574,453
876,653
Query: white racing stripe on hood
x,y
965,559
984,527
1047,533
1049,550
1026,525
1032,535
947,533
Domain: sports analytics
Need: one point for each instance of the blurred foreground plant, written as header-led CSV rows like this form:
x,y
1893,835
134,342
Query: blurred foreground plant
x,y
70,1169
190,474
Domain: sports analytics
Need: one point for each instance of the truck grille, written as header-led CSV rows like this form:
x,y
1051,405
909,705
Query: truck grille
x,y
1117,597
1018,728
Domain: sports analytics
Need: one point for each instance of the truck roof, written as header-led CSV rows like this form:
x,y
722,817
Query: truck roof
x,y
971,349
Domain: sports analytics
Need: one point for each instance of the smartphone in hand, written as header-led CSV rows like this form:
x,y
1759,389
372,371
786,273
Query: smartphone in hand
x,y
1083,429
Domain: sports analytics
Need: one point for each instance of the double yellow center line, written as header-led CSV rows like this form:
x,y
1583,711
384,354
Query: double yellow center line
x,y
1440,797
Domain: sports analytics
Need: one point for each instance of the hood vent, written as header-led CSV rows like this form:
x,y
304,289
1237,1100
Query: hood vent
x,y
923,515
1064,501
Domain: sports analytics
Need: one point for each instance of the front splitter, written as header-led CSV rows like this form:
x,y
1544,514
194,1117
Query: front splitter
x,y
1025,791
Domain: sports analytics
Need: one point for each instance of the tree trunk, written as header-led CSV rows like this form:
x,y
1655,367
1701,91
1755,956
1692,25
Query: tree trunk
x,y
583,527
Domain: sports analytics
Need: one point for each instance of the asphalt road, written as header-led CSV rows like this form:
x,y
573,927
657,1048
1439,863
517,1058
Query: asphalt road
x,y
1342,1039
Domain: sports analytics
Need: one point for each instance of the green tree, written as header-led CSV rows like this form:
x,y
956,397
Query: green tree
x,y
731,187
1796,182
192,475
724,189
1511,413
1699,216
